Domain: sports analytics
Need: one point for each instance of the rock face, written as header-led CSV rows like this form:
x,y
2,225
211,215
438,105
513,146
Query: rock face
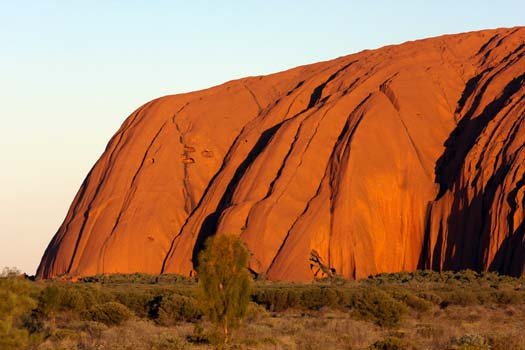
x,y
405,157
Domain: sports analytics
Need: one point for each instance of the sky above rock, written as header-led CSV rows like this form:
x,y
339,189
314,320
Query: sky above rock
x,y
71,72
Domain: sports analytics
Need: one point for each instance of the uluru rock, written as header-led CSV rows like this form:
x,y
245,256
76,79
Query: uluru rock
x,y
405,157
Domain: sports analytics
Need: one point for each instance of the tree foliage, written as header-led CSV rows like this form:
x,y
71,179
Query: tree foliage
x,y
224,280
15,303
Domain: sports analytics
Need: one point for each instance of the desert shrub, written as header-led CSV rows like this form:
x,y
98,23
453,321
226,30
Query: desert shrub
x,y
60,297
315,298
34,321
507,297
430,297
72,299
255,312
121,278
485,297
343,296
181,308
97,295
293,298
111,313
377,306
278,299
394,278
467,276
281,298
94,329
135,300
309,297
330,297
50,299
63,334
450,278
459,296
260,297
136,278
390,343
470,342
506,342
167,310
15,303
200,337
413,301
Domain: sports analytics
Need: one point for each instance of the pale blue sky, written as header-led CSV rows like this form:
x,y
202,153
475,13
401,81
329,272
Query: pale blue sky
x,y
72,71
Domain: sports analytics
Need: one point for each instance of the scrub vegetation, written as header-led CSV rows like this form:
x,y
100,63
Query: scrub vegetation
x,y
418,310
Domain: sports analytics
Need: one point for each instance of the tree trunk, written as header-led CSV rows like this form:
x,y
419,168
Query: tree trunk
x,y
225,329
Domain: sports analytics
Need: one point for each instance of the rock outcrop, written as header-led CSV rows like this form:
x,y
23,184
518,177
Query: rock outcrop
x,y
409,156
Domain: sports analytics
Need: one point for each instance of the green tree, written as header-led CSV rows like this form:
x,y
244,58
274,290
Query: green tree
x,y
15,302
224,281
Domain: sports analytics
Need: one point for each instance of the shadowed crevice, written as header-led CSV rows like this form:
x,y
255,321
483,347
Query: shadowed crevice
x,y
464,136
209,225
318,91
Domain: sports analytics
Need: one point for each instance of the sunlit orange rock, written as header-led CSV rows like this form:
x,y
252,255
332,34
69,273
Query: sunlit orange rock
x,y
409,156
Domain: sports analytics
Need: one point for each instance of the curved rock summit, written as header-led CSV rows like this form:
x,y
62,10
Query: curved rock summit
x,y
405,157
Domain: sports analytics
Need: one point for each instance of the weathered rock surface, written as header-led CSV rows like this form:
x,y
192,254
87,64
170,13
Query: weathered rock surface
x,y
409,156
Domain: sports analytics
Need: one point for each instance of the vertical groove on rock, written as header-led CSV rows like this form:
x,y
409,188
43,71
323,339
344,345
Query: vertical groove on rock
x,y
129,195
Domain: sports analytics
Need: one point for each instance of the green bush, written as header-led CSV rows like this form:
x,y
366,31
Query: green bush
x,y
345,296
413,301
72,299
282,299
136,278
15,304
255,312
316,297
168,310
97,295
312,298
273,299
111,313
135,300
49,299
61,297
377,306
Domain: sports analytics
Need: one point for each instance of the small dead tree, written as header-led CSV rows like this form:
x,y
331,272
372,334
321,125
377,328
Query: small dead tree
x,y
319,268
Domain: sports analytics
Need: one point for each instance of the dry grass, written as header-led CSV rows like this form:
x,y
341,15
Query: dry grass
x,y
456,327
